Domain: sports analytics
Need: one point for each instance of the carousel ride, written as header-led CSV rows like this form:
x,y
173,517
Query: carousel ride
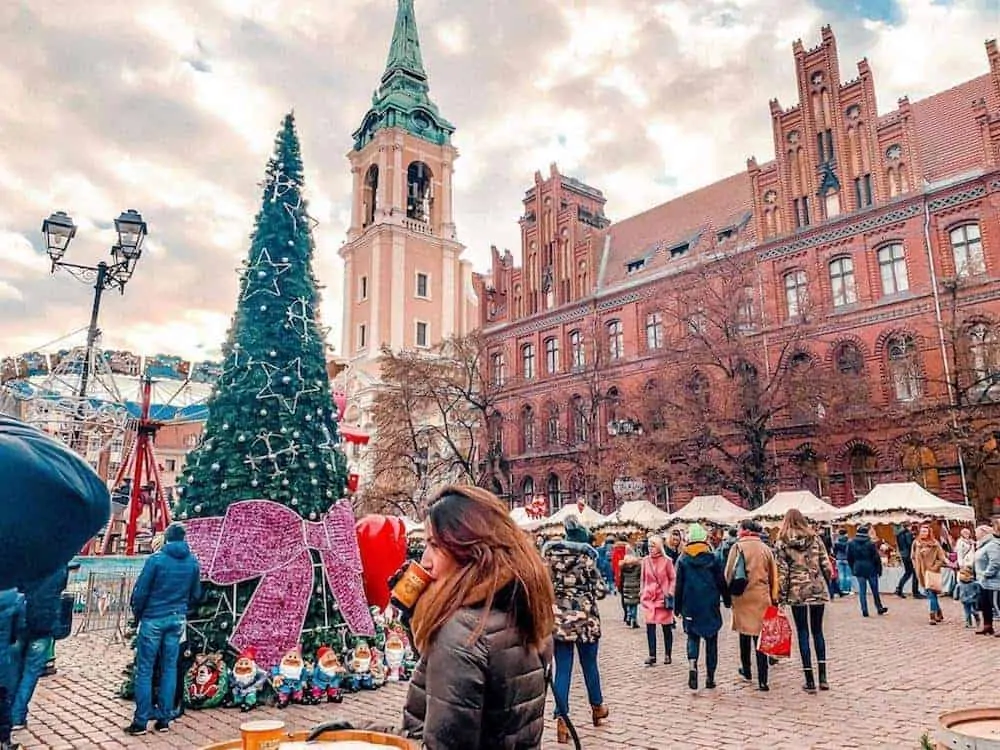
x,y
99,405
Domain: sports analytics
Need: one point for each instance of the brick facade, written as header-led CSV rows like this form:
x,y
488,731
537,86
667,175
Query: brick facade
x,y
869,213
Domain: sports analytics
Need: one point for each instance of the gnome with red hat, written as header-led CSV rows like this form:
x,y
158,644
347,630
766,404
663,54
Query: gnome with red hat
x,y
327,677
247,680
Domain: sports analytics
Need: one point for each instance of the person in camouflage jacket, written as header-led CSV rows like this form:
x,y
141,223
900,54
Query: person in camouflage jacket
x,y
578,586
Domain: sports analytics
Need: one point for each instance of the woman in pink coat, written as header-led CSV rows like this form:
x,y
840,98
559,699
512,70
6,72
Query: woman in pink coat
x,y
657,599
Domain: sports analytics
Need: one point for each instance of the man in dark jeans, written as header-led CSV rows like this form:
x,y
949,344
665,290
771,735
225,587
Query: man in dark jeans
x,y
167,587
12,626
904,543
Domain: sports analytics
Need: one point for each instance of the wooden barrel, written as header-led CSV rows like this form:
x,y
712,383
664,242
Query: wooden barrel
x,y
969,729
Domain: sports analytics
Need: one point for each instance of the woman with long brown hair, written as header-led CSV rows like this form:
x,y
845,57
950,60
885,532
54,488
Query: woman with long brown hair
x,y
928,561
483,627
804,575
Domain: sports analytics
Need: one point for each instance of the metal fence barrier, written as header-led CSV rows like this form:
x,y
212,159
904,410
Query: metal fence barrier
x,y
102,603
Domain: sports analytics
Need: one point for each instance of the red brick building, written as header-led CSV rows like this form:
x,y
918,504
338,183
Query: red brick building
x,y
889,224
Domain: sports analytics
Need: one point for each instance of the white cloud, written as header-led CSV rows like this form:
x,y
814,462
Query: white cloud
x,y
171,109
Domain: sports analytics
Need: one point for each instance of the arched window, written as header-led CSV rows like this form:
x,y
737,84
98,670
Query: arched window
x,y
796,293
552,425
496,433
577,355
814,470
528,361
419,192
861,464
848,359
699,389
613,401
967,250
527,490
616,339
553,492
842,282
518,301
552,355
920,464
892,269
904,373
984,359
654,405
370,200
527,428
654,330
581,419
498,375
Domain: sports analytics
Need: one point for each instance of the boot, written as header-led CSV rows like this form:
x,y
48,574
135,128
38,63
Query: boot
x,y
562,731
710,682
650,662
987,630
693,674
810,685
599,714
934,620
823,684
939,615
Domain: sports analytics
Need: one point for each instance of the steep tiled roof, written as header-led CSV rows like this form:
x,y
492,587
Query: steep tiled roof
x,y
685,219
949,137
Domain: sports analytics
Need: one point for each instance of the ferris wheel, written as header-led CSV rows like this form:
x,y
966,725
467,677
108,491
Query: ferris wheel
x,y
108,408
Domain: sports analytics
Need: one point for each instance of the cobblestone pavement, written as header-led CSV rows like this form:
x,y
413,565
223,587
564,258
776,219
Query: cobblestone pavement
x,y
891,677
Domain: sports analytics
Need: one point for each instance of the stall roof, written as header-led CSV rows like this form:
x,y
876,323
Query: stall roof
x,y
902,502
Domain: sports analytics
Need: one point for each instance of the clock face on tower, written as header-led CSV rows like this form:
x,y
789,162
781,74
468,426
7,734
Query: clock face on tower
x,y
420,121
894,152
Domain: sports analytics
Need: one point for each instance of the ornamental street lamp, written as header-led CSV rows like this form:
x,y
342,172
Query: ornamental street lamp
x,y
59,229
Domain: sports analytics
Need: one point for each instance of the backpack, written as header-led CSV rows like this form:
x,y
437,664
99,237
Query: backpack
x,y
738,586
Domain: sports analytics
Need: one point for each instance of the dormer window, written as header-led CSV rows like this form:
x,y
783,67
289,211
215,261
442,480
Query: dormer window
x,y
634,266
726,234
678,250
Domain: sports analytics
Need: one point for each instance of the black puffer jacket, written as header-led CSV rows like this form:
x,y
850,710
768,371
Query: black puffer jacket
x,y
481,694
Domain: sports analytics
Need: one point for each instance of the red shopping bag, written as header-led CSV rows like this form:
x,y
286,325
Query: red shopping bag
x,y
775,634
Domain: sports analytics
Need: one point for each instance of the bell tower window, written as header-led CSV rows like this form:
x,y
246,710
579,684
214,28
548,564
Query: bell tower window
x,y
419,192
370,198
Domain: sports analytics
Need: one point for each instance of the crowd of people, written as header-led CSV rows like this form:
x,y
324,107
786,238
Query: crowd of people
x,y
688,576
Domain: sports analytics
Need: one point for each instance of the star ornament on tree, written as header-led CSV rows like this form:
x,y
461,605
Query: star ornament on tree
x,y
299,318
285,384
259,272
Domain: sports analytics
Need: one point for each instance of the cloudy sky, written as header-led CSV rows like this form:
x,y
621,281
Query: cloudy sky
x,y
171,108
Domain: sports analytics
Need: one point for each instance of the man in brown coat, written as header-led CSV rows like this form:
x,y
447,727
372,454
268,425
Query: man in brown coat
x,y
752,559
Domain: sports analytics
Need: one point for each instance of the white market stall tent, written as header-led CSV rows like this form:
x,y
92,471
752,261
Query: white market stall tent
x,y
903,502
773,511
587,516
714,509
519,515
639,513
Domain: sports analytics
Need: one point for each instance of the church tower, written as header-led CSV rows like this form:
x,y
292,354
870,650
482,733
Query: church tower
x,y
406,285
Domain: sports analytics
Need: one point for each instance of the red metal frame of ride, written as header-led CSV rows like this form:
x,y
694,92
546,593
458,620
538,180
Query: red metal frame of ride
x,y
141,461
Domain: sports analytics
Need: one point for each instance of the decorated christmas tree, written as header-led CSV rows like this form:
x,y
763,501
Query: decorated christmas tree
x,y
263,492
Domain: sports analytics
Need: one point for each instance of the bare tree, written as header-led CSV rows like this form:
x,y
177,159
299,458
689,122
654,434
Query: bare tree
x,y
430,415
730,385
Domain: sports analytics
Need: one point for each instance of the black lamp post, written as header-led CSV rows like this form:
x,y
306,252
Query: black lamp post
x,y
59,229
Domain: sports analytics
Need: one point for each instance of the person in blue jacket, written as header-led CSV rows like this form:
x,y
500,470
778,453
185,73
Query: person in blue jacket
x,y
12,625
57,503
699,590
168,586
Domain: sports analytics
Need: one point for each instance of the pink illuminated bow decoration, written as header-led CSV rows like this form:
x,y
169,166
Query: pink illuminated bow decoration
x,y
267,540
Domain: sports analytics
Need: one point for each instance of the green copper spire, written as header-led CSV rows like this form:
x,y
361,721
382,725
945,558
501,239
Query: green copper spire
x,y
402,99
404,53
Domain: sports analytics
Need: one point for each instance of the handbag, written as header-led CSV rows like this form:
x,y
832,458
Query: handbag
x,y
668,599
738,586
775,634
64,625
933,581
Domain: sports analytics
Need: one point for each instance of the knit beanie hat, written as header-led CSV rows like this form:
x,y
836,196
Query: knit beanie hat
x,y
697,533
